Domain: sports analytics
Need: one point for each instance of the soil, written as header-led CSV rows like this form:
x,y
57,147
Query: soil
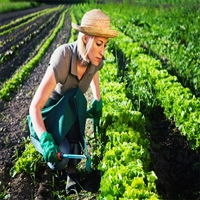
x,y
176,166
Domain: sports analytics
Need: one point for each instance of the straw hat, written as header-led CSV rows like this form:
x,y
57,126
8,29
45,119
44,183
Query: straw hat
x,y
96,23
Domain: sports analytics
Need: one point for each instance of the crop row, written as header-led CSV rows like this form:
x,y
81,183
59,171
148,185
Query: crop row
x,y
21,28
125,162
155,85
148,83
22,43
172,35
14,83
8,54
18,23
152,85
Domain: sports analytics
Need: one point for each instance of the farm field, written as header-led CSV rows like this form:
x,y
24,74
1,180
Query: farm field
x,y
163,132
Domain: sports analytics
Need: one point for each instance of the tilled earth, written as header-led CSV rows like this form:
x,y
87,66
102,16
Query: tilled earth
x,y
177,167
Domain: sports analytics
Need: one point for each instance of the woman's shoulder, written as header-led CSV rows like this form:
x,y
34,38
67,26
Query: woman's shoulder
x,y
66,48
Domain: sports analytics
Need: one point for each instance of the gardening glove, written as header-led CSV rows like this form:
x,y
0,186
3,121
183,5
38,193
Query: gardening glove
x,y
95,112
49,149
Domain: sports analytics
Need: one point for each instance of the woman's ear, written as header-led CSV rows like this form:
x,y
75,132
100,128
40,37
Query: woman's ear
x,y
84,38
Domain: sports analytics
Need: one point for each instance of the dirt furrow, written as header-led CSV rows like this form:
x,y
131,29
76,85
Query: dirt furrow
x,y
5,18
27,50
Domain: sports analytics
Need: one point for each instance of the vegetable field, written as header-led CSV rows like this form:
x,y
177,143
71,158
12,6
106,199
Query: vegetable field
x,y
148,143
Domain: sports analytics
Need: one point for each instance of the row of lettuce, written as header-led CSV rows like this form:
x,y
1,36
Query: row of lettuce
x,y
16,81
20,22
165,90
125,165
13,50
169,33
151,84
147,83
126,159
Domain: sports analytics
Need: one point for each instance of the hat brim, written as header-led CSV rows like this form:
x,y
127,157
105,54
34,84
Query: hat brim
x,y
95,31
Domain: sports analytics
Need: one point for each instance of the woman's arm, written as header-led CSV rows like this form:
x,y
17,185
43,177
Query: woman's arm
x,y
95,87
40,98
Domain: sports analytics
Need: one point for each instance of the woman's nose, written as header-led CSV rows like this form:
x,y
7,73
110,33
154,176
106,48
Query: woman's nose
x,y
102,51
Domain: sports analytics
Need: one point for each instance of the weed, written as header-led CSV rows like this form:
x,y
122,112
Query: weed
x,y
3,192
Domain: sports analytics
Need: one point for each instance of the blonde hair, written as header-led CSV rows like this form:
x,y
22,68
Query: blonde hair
x,y
83,48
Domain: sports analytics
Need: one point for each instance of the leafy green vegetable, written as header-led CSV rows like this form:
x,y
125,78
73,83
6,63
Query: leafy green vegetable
x,y
29,162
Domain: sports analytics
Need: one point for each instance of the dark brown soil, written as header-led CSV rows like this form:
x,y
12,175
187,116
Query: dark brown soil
x,y
25,42
177,167
175,164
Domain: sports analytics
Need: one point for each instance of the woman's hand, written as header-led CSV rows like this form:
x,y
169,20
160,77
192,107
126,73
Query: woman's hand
x,y
49,149
95,112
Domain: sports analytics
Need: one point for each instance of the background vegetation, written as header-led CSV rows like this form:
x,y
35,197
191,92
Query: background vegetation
x,y
10,5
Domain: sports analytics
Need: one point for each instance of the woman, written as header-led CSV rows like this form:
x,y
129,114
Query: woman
x,y
58,109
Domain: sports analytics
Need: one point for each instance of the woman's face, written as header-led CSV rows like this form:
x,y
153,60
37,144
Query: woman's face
x,y
97,49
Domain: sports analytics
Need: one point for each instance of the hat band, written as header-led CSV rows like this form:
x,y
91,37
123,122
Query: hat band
x,y
96,31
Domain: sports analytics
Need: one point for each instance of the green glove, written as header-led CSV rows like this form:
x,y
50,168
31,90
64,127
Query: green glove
x,y
95,112
49,149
